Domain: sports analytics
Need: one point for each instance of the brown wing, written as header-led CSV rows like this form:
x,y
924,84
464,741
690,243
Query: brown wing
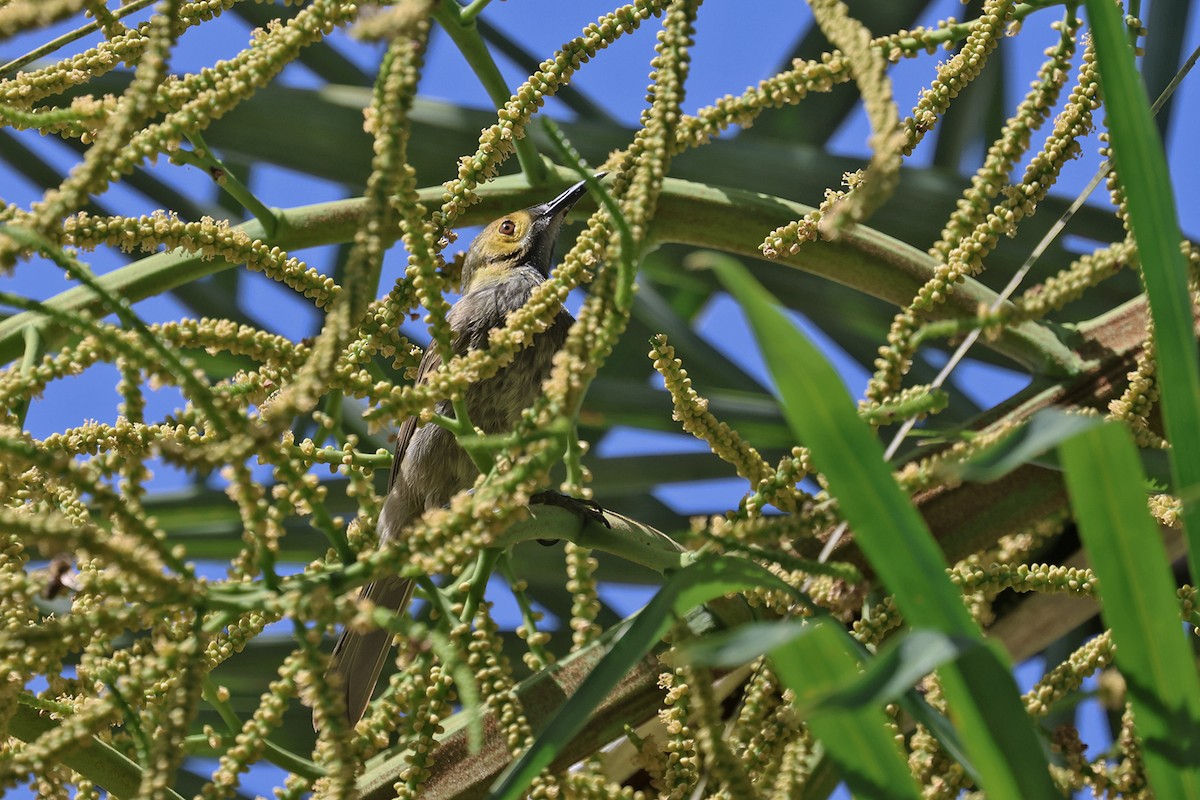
x,y
429,363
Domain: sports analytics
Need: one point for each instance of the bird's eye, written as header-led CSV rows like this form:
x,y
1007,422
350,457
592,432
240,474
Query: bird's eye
x,y
508,228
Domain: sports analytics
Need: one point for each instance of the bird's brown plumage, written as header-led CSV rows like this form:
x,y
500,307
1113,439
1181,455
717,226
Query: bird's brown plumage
x,y
505,263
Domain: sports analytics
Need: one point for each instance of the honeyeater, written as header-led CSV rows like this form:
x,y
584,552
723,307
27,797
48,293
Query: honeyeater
x,y
503,266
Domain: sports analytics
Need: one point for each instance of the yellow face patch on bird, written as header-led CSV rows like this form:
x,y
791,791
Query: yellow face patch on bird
x,y
503,244
522,239
511,228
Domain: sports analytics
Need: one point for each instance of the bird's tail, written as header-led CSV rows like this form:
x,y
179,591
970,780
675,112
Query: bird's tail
x,y
359,657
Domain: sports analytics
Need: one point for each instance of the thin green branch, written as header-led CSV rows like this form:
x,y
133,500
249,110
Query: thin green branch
x,y
131,722
950,34
280,757
474,9
62,41
202,157
200,393
380,459
485,565
225,711
461,29
35,349
492,443
332,409
476,444
571,96
437,602
573,458
528,615
565,151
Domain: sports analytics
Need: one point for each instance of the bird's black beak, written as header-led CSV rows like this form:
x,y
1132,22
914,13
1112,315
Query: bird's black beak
x,y
559,206
548,219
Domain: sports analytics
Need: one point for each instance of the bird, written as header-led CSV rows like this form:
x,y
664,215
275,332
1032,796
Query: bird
x,y
504,264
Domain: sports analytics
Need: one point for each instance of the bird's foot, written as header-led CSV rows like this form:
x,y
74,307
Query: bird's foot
x,y
586,510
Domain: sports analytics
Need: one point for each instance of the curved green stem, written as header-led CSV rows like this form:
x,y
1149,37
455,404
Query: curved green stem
x,y
700,215
98,761
619,535
570,155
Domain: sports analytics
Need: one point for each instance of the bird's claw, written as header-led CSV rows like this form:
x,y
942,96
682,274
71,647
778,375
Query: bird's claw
x,y
586,510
